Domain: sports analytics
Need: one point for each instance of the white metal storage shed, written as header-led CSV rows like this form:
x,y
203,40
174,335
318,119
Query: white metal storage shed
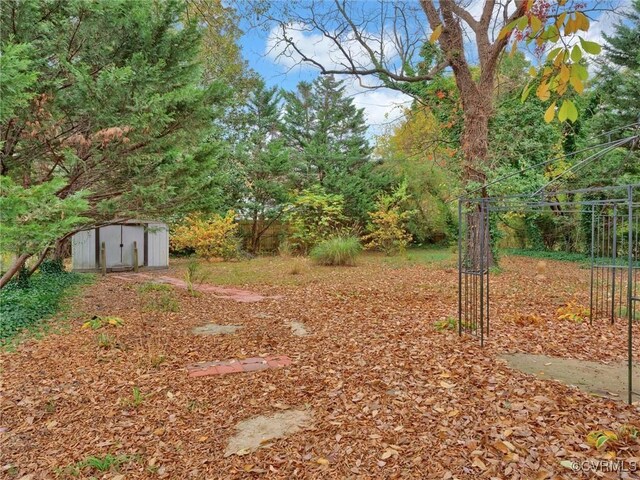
x,y
149,238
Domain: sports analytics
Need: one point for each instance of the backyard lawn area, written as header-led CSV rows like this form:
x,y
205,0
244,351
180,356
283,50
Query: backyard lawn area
x,y
341,372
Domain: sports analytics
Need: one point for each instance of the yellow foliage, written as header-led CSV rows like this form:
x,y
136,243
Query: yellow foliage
x,y
387,232
99,322
523,319
209,237
573,311
420,135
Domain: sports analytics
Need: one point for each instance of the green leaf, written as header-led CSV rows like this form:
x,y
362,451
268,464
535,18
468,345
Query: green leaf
x,y
507,29
580,71
572,111
522,22
553,53
590,47
562,113
601,441
576,53
536,24
526,92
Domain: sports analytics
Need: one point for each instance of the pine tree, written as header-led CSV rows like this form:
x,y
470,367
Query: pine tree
x,y
328,133
618,86
265,169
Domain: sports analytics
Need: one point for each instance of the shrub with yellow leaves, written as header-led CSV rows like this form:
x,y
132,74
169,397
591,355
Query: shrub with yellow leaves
x,y
212,236
98,322
625,435
387,230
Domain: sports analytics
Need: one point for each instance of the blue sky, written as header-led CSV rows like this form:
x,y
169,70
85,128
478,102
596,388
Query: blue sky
x,y
254,43
382,106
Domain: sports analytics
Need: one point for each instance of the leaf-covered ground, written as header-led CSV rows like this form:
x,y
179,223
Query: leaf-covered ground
x,y
391,396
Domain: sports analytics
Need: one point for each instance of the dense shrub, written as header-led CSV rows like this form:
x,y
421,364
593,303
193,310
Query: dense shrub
x,y
548,254
314,216
337,251
388,226
22,307
209,237
53,266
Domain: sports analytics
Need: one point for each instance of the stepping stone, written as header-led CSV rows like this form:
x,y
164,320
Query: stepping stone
x,y
253,433
213,329
298,329
253,364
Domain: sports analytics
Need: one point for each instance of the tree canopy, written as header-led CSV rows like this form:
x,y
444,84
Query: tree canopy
x,y
123,109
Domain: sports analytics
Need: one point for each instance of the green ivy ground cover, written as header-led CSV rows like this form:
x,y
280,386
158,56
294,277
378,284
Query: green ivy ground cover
x,y
27,306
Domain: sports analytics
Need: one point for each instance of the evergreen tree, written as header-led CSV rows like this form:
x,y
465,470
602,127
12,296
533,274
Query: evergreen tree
x,y
615,103
328,133
264,164
107,100
618,85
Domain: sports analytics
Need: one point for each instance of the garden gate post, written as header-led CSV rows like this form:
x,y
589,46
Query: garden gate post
x,y
630,299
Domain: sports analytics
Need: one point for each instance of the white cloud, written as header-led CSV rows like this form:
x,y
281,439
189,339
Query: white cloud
x,y
344,52
381,105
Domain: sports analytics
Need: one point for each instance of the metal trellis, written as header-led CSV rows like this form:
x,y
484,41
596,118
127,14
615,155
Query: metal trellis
x,y
612,216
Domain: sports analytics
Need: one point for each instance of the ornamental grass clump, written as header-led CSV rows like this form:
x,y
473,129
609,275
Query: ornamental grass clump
x,y
337,251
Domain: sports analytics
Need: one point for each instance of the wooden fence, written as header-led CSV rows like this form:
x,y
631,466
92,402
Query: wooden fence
x,y
270,239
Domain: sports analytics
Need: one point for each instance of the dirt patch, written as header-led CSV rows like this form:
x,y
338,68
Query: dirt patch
x,y
253,433
254,364
236,294
298,329
214,329
593,377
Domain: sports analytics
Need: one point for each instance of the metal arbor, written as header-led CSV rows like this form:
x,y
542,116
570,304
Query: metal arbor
x,y
612,236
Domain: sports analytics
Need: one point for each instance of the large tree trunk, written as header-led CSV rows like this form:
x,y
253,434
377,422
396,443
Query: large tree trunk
x,y
15,268
475,140
475,150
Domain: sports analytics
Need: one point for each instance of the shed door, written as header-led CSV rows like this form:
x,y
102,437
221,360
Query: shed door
x,y
111,236
119,240
132,234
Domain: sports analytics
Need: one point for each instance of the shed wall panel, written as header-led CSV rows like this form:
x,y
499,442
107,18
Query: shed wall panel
x,y
158,248
83,250
111,236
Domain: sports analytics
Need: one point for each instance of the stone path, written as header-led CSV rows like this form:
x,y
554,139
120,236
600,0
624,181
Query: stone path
x,y
298,329
253,364
214,329
253,433
594,377
235,294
